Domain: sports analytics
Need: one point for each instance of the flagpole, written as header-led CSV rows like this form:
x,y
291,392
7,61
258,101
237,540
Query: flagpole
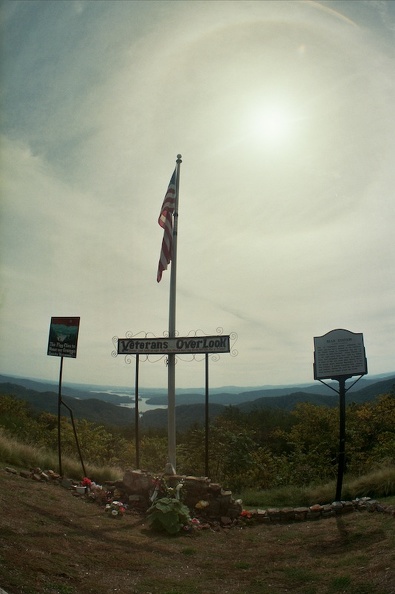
x,y
171,383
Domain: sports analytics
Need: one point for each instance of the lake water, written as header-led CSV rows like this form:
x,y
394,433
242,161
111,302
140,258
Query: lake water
x,y
143,406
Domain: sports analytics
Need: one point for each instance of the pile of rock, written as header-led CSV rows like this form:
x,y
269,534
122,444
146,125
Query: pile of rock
x,y
211,501
36,474
138,490
199,494
316,512
205,499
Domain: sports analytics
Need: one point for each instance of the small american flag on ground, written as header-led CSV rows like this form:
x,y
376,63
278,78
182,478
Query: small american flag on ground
x,y
166,222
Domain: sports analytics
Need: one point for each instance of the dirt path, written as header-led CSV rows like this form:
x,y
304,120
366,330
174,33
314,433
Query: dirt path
x,y
52,542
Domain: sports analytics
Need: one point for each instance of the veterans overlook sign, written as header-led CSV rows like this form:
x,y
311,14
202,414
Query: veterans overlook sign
x,y
174,345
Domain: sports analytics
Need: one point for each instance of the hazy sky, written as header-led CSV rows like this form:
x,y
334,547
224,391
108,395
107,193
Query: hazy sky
x,y
284,113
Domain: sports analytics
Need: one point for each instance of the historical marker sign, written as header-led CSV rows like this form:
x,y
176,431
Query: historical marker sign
x,y
63,337
339,353
164,346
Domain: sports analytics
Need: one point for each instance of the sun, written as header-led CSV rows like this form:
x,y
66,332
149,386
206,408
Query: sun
x,y
273,125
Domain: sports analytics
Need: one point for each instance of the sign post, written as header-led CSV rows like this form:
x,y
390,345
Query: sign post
x,y
59,409
171,346
206,418
62,342
340,355
342,436
136,412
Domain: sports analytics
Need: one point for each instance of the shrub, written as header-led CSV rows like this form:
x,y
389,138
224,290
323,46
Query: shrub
x,y
168,515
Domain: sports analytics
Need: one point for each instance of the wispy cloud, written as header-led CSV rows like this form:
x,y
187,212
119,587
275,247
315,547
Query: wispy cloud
x,y
281,237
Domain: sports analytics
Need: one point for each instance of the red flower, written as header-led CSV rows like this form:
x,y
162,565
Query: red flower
x,y
246,514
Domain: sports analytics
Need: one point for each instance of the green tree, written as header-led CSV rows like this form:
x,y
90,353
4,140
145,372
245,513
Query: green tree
x,y
18,421
153,453
370,431
312,443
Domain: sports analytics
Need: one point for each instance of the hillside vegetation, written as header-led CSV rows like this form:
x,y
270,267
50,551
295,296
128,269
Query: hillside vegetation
x,y
103,407
52,542
260,449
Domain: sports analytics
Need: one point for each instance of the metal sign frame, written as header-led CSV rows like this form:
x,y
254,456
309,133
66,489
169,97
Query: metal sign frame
x,y
190,345
174,345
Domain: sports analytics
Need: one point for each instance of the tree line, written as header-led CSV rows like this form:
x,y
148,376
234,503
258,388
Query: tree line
x,y
261,449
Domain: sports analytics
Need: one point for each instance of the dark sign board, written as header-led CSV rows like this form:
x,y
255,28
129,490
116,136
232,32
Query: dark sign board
x,y
163,346
63,337
339,353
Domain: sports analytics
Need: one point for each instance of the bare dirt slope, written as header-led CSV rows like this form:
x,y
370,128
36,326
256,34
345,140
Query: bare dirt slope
x,y
52,542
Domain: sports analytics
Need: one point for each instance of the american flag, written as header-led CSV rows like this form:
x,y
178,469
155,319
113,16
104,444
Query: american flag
x,y
166,222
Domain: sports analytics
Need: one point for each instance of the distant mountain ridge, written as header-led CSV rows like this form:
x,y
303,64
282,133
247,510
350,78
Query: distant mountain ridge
x,y
369,387
158,417
103,407
224,395
91,409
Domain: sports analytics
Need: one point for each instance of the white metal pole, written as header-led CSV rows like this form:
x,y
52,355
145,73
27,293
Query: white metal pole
x,y
171,387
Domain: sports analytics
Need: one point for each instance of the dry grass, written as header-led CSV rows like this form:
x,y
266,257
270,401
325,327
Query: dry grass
x,y
376,484
54,543
15,453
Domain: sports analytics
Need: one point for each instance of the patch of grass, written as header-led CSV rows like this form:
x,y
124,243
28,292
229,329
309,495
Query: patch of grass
x,y
15,453
19,455
263,587
290,534
189,552
242,565
281,497
62,588
297,574
164,585
378,484
353,560
345,584
178,591
339,584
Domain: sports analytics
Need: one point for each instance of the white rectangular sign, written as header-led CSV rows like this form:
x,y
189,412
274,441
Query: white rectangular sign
x,y
163,346
339,353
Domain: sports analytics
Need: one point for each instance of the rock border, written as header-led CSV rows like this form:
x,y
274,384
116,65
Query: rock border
x,y
317,511
234,514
